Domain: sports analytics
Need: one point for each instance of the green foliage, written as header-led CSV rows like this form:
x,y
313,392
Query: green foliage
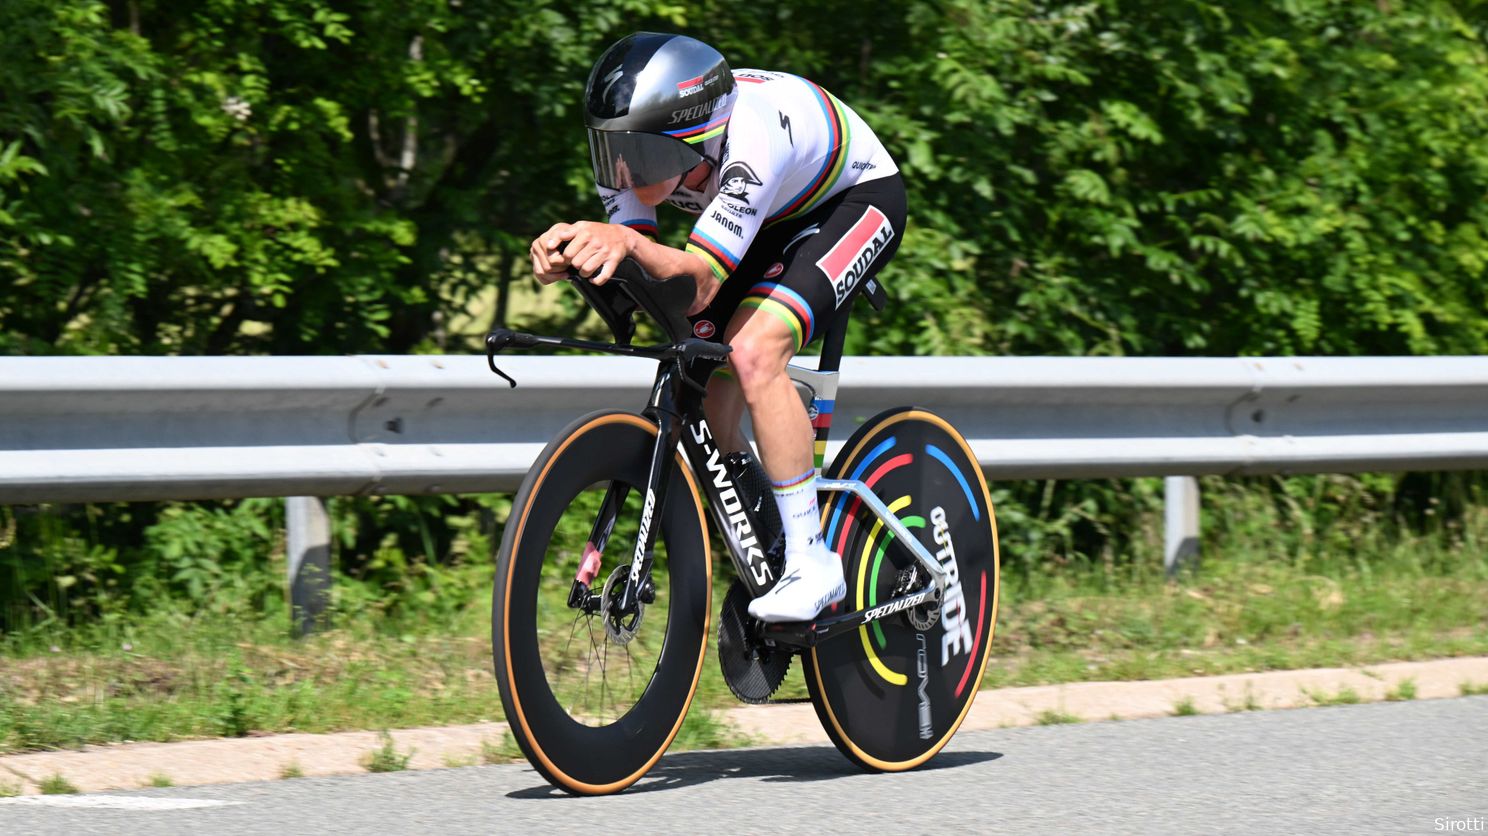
x,y
386,758
56,785
1113,177
1404,691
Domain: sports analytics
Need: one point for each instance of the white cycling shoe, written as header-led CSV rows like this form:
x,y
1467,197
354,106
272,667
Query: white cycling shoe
x,y
810,583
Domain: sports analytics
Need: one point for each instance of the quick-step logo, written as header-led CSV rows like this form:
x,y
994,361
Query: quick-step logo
x,y
957,638
733,506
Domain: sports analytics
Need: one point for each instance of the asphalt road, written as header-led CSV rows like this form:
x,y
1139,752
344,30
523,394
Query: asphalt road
x,y
1417,767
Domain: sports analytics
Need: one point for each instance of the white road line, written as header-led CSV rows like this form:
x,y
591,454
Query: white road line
x,y
116,802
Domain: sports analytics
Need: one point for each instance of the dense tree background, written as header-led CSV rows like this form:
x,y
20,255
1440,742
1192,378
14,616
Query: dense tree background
x,y
1162,177
1173,177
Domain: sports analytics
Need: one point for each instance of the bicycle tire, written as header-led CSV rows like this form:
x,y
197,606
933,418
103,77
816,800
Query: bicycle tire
x,y
879,695
567,742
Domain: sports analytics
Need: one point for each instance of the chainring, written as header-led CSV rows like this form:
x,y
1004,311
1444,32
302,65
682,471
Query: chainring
x,y
752,670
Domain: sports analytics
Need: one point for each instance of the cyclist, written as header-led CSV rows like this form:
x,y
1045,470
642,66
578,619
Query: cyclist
x,y
797,202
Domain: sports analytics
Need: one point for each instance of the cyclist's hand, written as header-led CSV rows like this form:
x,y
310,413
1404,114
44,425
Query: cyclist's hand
x,y
548,262
596,249
707,288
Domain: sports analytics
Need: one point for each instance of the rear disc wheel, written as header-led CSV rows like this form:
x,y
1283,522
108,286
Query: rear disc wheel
x,y
892,694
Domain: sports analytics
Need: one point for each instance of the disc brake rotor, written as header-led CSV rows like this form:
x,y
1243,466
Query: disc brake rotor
x,y
620,626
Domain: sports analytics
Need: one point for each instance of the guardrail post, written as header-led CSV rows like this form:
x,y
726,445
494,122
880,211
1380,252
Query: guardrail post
x,y
309,533
1181,522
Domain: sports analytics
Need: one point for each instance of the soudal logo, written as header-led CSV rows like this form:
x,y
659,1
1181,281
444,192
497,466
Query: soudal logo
x,y
690,86
847,261
703,328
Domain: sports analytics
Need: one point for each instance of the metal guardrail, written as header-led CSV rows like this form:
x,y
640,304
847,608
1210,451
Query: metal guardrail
x,y
135,428
138,428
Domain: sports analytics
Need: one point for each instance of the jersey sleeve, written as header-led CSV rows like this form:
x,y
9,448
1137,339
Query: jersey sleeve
x,y
752,171
623,207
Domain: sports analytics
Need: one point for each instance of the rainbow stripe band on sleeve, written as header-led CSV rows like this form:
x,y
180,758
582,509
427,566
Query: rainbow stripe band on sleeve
x,y
784,304
831,168
715,255
645,227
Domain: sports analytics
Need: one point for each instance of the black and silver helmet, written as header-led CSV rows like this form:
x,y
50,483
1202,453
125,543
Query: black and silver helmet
x,y
656,105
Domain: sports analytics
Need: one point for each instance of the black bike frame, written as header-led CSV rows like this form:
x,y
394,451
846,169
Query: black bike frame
x,y
676,407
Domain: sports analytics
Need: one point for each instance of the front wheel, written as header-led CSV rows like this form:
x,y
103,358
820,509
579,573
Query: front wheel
x,y
891,695
594,696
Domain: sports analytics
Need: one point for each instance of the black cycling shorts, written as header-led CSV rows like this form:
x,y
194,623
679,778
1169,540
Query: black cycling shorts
x,y
803,269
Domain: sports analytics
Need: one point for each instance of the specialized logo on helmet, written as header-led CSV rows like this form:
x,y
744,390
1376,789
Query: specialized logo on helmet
x,y
736,180
697,111
704,329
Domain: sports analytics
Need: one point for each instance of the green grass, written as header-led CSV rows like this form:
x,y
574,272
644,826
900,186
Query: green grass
x,y
159,779
56,785
291,770
1473,689
1344,696
1273,592
9,790
503,751
1403,691
386,758
1056,717
1185,708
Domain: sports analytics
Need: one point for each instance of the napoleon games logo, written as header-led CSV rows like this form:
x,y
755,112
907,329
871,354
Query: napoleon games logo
x,y
736,179
704,329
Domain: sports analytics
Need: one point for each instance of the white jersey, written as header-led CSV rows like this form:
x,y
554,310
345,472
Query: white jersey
x,y
791,145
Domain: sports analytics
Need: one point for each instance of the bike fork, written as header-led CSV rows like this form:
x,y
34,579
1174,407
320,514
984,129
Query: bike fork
x,y
599,536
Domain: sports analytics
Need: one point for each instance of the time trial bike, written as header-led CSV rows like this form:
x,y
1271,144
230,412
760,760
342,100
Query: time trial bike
x,y
602,600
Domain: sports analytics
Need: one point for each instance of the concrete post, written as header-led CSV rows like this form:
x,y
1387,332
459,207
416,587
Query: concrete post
x,y
309,534
1181,522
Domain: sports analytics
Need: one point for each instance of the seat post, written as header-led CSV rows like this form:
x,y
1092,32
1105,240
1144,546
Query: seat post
x,y
831,353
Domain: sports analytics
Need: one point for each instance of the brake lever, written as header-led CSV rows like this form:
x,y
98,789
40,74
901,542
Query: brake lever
x,y
696,349
499,339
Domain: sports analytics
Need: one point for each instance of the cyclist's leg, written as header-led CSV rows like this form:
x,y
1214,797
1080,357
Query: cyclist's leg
x,y
835,248
812,577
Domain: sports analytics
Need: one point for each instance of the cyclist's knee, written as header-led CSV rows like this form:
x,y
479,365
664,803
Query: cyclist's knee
x,y
761,349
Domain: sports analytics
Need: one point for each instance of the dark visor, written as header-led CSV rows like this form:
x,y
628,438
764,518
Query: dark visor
x,y
627,159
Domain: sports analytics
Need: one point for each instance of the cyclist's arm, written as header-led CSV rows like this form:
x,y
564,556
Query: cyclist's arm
x,y
552,256
595,249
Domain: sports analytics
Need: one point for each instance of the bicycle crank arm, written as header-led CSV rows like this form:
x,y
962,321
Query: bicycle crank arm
x,y
876,505
812,633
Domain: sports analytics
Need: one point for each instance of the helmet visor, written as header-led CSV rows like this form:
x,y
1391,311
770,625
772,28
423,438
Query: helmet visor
x,y
627,159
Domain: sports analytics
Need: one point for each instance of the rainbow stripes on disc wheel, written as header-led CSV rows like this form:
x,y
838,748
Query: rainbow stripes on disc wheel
x,y
891,696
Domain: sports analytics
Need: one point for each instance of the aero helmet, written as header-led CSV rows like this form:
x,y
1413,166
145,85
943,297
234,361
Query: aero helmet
x,y
655,106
